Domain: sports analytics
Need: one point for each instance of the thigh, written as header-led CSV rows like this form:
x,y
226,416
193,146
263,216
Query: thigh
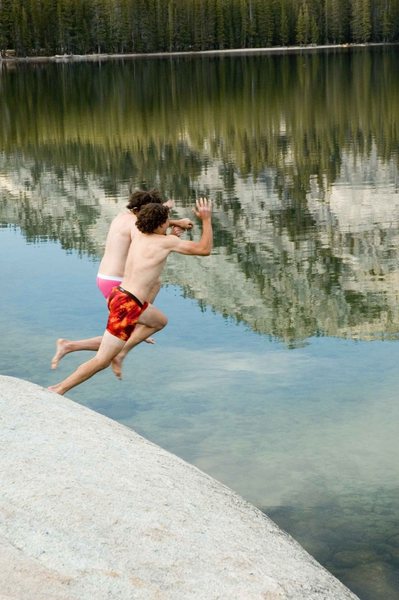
x,y
110,346
152,317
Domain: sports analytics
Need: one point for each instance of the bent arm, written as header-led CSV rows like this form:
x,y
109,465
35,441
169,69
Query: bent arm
x,y
201,248
183,223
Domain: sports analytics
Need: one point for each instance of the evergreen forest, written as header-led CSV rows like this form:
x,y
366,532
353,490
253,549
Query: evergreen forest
x,y
49,27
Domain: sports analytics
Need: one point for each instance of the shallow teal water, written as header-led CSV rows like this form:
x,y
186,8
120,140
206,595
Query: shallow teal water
x,y
309,435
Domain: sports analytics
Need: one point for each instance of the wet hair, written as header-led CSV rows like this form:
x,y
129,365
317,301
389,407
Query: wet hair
x,y
151,216
140,198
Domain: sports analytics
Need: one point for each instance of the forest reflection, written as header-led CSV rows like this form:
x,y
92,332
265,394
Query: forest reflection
x,y
298,151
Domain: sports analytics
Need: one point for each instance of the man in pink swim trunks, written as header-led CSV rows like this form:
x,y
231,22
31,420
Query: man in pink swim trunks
x,y
120,235
111,271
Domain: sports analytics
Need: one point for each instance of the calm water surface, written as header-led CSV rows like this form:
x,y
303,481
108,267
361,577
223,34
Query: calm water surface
x,y
278,372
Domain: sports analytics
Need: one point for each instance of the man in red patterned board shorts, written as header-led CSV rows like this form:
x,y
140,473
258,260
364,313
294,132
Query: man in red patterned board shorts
x,y
128,304
112,266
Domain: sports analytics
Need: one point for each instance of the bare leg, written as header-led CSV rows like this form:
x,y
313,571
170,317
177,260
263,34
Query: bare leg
x,y
150,321
151,297
66,346
110,346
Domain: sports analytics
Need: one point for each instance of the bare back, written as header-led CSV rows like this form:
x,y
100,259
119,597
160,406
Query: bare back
x,y
117,244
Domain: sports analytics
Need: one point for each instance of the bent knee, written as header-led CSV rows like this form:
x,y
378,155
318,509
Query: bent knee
x,y
163,321
154,319
160,323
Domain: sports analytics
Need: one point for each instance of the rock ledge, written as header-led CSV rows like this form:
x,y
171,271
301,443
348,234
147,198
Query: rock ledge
x,y
91,510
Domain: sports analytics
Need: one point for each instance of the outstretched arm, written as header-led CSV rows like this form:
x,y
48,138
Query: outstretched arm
x,y
203,211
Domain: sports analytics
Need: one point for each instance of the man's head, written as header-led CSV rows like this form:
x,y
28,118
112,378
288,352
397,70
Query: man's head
x,y
153,217
140,198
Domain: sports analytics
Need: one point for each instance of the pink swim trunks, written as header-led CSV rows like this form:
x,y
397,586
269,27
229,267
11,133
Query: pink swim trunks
x,y
105,283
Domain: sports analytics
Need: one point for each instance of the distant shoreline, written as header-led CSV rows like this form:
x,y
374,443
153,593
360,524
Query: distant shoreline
x,y
68,58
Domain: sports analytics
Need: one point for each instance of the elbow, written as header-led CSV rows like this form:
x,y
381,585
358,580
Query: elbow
x,y
200,250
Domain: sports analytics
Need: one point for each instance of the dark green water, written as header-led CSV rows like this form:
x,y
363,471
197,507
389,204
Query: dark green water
x,y
278,372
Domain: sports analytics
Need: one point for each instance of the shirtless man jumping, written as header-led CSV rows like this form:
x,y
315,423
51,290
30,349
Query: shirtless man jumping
x,y
111,269
128,304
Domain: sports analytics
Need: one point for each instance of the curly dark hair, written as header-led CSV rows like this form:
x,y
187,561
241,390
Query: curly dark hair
x,y
140,198
151,216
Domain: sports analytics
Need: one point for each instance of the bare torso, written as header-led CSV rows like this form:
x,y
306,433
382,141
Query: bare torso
x,y
117,244
145,262
148,252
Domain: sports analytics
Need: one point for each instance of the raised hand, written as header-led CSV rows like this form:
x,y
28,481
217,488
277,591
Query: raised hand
x,y
203,208
169,203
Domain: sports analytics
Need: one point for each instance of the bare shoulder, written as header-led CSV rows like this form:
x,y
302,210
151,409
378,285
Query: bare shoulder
x,y
123,222
168,243
170,240
126,217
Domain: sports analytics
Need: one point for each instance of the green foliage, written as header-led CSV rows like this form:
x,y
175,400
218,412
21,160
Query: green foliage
x,y
42,27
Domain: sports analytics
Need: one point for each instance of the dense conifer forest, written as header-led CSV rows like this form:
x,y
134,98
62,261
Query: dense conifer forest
x,y
48,27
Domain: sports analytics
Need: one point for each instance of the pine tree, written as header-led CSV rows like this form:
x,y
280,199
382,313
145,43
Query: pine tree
x,y
303,29
210,25
229,17
314,31
125,26
171,25
243,24
337,16
220,27
6,24
284,25
361,20
58,26
98,26
266,22
366,20
183,25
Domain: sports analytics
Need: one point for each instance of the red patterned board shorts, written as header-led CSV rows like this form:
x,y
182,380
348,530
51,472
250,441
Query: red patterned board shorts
x,y
124,312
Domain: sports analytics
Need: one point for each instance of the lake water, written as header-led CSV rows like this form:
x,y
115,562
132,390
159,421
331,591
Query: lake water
x,y
278,371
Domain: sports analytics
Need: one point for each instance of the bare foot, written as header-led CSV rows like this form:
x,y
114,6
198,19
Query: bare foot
x,y
150,341
116,366
54,388
61,350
